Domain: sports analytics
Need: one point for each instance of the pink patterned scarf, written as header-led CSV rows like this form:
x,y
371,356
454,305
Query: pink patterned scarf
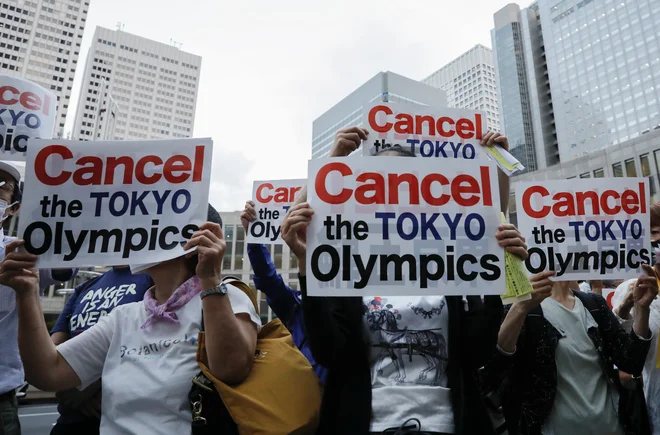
x,y
179,298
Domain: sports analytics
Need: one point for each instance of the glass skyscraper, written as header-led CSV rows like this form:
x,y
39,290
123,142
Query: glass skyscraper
x,y
601,56
578,74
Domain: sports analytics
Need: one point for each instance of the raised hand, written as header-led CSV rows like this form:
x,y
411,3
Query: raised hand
x,y
347,141
493,138
542,289
248,215
211,248
18,268
646,287
294,231
509,238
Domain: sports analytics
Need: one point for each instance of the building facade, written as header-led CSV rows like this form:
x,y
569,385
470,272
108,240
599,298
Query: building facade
x,y
40,41
638,157
470,83
385,87
576,76
524,94
602,57
154,85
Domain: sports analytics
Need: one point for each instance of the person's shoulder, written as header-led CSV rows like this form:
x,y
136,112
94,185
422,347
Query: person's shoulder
x,y
127,310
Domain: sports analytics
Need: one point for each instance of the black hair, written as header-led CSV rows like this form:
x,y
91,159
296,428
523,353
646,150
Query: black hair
x,y
397,149
213,216
17,196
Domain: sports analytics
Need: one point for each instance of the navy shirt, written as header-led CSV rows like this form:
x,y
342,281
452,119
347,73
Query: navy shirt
x,y
93,300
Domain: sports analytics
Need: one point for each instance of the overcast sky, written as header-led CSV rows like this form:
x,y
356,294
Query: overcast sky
x,y
269,68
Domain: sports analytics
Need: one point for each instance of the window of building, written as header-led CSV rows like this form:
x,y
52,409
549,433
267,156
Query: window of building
x,y
585,175
645,165
617,171
240,241
631,171
229,238
599,173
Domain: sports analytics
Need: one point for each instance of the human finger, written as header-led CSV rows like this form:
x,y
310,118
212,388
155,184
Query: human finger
x,y
13,245
508,234
491,140
484,140
361,132
518,251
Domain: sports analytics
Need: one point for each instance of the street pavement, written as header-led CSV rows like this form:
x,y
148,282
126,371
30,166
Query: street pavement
x,y
37,419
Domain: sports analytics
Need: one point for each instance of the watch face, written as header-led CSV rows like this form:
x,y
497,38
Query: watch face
x,y
223,288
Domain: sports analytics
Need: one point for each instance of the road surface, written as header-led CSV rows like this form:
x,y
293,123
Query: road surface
x,y
37,419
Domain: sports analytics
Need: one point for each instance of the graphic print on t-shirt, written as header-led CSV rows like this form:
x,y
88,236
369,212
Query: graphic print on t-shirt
x,y
408,340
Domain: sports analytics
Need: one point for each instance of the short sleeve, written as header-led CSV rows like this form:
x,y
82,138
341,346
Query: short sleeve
x,y
241,304
86,353
62,324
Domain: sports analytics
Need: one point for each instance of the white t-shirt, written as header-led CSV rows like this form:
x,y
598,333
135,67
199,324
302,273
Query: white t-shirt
x,y
146,373
408,357
585,403
651,374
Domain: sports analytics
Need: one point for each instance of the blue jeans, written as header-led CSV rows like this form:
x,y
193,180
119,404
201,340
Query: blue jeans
x,y
9,423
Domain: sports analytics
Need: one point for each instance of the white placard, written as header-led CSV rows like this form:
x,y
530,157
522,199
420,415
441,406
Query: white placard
x,y
272,200
431,132
585,229
27,111
113,203
403,226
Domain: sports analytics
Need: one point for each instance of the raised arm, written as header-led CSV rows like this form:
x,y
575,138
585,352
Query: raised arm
x,y
231,339
44,367
280,297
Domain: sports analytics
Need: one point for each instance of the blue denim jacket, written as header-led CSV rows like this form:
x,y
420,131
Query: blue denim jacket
x,y
284,301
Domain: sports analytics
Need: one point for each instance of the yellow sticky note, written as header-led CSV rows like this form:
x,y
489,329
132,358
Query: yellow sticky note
x,y
495,153
518,287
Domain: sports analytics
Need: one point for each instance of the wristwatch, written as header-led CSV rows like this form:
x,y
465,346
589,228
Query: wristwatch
x,y
220,289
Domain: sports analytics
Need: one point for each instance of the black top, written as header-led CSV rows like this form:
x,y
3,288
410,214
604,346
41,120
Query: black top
x,y
337,340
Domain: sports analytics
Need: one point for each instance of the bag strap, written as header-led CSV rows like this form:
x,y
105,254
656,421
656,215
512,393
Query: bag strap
x,y
241,286
244,288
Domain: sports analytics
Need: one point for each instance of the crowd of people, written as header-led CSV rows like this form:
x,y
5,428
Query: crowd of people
x,y
562,362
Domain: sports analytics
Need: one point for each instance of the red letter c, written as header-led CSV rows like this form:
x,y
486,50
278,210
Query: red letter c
x,y
40,165
260,189
372,119
527,204
319,183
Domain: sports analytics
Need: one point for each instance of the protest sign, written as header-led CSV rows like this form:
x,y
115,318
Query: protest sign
x,y
400,226
113,203
585,228
272,200
426,131
27,111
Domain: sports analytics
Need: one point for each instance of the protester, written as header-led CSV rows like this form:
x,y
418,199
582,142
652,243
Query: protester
x,y
284,301
623,305
11,368
80,411
424,383
557,353
145,352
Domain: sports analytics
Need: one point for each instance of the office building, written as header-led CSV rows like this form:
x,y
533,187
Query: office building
x,y
154,85
40,41
638,157
470,83
578,69
385,87
524,95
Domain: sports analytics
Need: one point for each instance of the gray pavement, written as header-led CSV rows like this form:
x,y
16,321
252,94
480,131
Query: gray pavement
x,y
37,419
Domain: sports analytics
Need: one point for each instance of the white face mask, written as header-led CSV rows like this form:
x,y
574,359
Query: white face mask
x,y
4,207
139,268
